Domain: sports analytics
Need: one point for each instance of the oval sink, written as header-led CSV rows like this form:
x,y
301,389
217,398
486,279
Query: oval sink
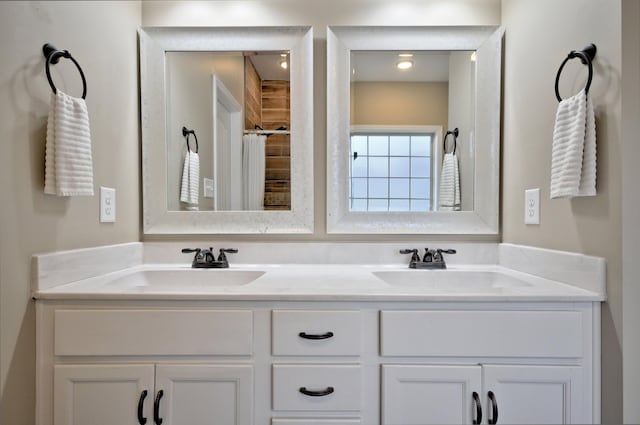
x,y
185,279
450,279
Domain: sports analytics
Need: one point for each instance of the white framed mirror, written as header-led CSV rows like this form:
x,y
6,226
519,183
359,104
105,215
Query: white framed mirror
x,y
393,95
227,130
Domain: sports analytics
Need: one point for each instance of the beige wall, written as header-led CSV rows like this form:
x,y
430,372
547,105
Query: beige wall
x,y
630,208
462,103
539,35
395,103
102,37
190,100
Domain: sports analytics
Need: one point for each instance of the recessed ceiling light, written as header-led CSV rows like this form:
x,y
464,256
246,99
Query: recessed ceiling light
x,y
283,62
405,61
404,64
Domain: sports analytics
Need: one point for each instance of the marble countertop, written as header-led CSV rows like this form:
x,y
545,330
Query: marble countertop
x,y
319,282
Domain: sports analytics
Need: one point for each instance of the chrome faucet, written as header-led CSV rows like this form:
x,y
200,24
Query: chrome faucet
x,y
432,259
204,258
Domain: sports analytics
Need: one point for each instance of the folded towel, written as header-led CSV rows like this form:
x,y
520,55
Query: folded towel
x,y
68,162
253,169
190,189
573,156
449,194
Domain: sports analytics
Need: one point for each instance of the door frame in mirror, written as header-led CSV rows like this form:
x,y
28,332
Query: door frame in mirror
x,y
154,42
484,219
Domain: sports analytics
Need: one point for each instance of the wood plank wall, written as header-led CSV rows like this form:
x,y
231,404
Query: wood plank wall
x,y
253,96
275,114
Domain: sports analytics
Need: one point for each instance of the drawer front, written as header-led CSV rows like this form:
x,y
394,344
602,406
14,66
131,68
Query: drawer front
x,y
336,333
314,421
344,382
555,334
153,332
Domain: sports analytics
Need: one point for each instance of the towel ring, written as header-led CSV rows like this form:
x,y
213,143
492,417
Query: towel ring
x,y
52,56
586,56
455,132
186,133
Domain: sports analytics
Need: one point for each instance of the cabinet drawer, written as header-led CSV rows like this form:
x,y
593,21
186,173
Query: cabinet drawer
x,y
152,332
344,383
555,334
338,333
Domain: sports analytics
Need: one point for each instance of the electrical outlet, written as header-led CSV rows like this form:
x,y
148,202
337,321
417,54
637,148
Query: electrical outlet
x,y
107,205
532,206
207,184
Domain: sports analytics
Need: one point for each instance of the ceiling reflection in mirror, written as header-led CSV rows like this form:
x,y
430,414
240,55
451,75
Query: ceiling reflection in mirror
x,y
403,104
234,151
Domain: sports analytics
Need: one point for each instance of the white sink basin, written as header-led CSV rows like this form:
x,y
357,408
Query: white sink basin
x,y
450,279
185,279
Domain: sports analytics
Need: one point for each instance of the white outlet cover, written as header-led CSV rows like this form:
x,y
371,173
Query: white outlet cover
x,y
532,206
107,205
208,187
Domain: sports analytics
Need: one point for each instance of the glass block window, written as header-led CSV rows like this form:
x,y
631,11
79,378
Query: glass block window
x,y
391,172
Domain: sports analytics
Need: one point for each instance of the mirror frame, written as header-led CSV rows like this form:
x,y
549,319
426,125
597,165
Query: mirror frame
x,y
154,42
483,220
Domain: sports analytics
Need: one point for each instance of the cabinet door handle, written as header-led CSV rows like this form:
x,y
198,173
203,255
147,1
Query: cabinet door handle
x,y
476,401
320,393
315,336
156,408
494,408
141,419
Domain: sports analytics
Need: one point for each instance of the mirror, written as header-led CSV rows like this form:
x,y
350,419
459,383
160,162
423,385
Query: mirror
x,y
402,104
413,129
235,108
227,130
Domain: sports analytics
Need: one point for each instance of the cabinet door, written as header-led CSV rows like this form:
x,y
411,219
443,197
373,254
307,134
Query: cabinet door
x,y
102,394
420,395
205,394
535,394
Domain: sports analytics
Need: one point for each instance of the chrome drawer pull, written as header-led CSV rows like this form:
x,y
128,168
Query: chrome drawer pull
x,y
315,336
320,393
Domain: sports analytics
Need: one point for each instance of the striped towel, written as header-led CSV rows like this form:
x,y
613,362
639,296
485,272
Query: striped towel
x,y
68,162
449,195
573,156
190,189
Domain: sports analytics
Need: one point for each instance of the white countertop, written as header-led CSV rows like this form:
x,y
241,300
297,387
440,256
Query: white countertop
x,y
319,282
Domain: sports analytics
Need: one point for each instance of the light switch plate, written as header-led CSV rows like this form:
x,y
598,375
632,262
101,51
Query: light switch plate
x,y
107,205
532,206
208,190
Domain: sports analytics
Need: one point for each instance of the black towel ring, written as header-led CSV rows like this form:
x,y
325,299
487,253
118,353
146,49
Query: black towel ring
x,y
186,133
586,56
455,132
52,56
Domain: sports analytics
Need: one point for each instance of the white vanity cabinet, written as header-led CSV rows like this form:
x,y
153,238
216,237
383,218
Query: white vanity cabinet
x,y
512,394
320,362
107,394
111,365
543,384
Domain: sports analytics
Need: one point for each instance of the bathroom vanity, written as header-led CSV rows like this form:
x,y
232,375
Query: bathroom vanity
x,y
127,335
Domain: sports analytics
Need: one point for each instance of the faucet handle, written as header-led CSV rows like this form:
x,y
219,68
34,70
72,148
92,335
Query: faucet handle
x,y
447,251
190,250
413,252
222,256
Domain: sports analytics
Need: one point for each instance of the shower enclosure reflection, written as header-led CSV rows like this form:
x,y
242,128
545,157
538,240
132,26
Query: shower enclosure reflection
x,y
238,105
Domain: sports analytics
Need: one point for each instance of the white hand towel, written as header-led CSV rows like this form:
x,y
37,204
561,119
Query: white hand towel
x,y
253,169
190,189
68,161
449,195
573,156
